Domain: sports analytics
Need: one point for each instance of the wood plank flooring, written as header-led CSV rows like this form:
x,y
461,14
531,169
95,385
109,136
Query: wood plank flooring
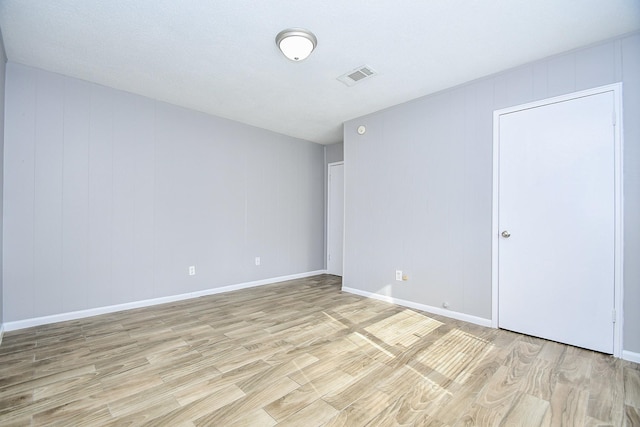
x,y
302,353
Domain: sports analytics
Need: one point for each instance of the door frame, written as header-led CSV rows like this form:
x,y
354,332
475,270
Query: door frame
x,y
616,88
326,255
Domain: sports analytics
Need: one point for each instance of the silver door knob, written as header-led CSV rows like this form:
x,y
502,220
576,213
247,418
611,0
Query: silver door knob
x,y
506,234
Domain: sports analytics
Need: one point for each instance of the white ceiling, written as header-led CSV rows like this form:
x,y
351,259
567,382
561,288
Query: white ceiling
x,y
220,57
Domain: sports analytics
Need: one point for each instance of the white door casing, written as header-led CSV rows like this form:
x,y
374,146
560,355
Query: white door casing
x,y
557,195
335,218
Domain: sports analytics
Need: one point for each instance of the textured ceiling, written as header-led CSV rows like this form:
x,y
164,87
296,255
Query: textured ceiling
x,y
220,56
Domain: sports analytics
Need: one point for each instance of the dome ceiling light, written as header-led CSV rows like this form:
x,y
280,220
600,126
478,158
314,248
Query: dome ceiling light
x,y
296,43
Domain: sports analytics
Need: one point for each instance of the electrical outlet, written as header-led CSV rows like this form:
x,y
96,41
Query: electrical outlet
x,y
192,270
257,260
399,275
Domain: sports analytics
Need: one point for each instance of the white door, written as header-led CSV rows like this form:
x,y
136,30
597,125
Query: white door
x,y
335,218
556,216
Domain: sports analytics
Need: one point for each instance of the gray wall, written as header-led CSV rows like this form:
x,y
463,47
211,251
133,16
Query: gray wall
x,y
110,196
419,182
334,153
3,66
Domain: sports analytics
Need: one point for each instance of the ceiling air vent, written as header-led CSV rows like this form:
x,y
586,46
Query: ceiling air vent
x,y
357,75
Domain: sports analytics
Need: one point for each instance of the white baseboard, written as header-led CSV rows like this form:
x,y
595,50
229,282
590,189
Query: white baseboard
x,y
631,356
429,309
1,332
28,323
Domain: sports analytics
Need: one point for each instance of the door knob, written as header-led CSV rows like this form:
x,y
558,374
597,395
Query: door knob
x,y
506,234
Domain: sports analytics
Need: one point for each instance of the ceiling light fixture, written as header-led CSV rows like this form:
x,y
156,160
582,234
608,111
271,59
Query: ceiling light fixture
x,y
296,43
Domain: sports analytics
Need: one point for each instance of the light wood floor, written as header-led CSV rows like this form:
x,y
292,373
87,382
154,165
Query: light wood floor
x,y
302,353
